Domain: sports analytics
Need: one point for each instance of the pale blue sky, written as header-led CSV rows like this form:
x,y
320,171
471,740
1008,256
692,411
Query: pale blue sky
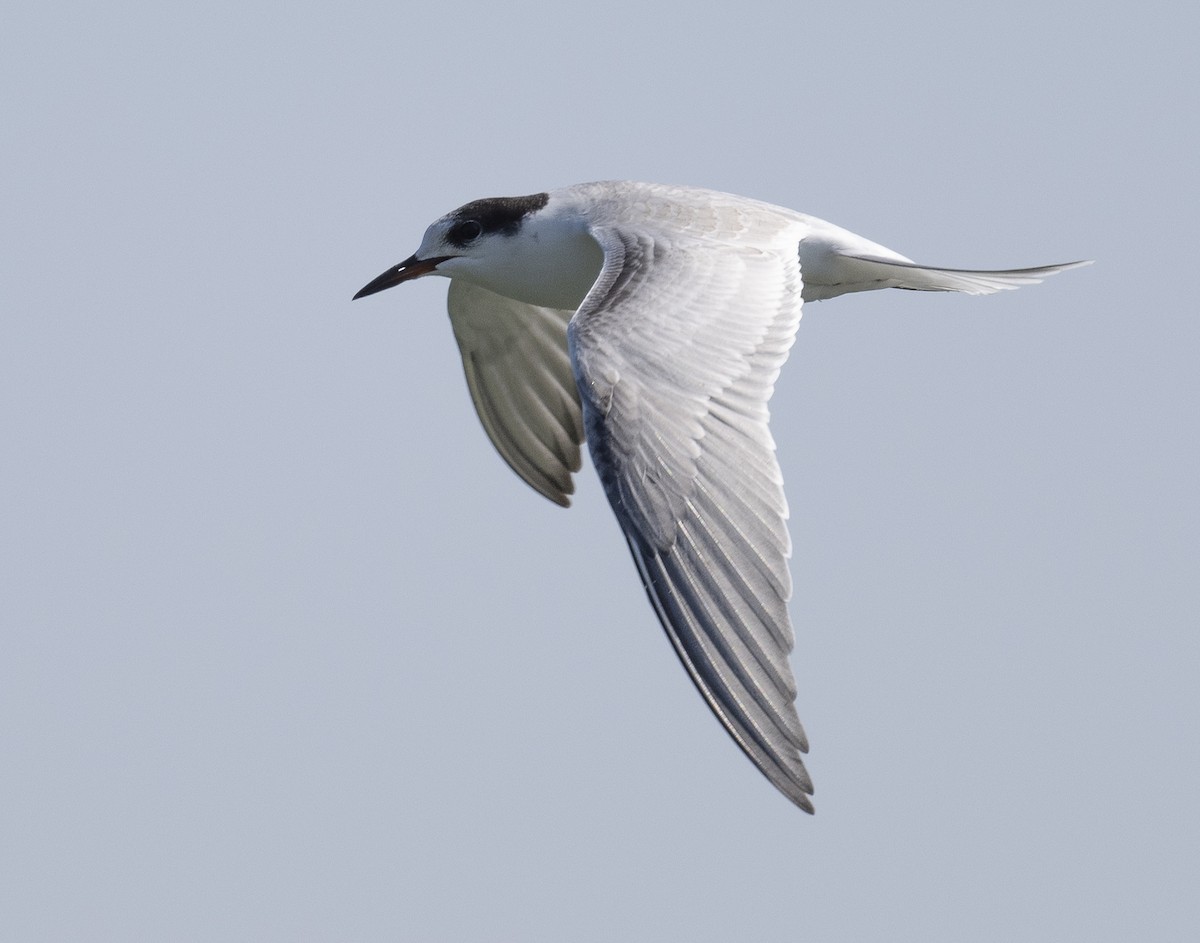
x,y
288,652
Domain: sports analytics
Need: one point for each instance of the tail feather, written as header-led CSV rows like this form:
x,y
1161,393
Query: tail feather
x,y
865,272
915,277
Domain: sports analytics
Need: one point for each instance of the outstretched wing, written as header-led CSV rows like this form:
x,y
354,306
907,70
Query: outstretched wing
x,y
519,374
677,348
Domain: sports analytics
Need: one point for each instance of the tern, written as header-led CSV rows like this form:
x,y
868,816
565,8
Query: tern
x,y
652,322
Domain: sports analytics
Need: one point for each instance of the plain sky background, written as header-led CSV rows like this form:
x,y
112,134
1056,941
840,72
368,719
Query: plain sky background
x,y
289,654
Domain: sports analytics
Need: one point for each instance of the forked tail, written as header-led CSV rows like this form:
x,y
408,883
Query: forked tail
x,y
926,278
842,273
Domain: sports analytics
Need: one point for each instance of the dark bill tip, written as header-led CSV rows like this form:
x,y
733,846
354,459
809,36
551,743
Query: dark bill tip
x,y
410,268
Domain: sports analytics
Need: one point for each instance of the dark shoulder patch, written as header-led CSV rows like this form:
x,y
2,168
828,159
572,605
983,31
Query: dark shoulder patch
x,y
497,214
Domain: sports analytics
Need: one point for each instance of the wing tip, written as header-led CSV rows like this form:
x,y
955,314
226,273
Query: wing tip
x,y
556,488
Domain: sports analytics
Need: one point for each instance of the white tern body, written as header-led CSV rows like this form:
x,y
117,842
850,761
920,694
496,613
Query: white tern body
x,y
652,321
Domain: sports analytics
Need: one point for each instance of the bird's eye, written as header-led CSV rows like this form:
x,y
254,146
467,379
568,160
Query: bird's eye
x,y
467,231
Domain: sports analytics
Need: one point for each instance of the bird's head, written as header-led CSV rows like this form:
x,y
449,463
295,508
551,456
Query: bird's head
x,y
472,239
515,246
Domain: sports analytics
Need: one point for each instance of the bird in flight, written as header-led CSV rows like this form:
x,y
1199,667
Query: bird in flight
x,y
652,321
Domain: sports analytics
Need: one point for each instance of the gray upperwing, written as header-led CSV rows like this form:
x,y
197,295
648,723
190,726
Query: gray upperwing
x,y
677,349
